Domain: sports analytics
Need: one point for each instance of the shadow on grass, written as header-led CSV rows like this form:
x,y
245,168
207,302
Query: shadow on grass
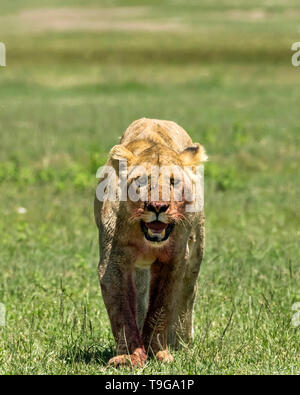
x,y
87,355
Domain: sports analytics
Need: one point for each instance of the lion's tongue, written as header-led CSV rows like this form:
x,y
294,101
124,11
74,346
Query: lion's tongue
x,y
156,226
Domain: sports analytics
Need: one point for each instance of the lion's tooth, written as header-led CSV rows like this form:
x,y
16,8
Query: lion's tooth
x,y
150,232
163,233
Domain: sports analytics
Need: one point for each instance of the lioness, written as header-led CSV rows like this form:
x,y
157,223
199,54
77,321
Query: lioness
x,y
150,250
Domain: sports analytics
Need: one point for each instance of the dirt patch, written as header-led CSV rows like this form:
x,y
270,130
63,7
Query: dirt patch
x,y
97,19
248,15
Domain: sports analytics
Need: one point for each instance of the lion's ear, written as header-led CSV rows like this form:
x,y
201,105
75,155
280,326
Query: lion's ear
x,y
193,155
119,152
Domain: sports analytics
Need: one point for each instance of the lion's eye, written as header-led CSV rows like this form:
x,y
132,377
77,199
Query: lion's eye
x,y
141,181
175,181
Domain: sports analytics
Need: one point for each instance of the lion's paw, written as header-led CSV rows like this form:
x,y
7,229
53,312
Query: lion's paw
x,y
138,359
164,356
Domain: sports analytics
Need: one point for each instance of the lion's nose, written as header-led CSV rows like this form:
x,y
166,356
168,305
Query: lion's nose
x,y
157,207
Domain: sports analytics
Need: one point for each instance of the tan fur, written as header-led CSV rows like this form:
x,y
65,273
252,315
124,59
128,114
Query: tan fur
x,y
149,288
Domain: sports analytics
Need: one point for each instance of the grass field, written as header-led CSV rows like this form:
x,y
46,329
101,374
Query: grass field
x,y
78,72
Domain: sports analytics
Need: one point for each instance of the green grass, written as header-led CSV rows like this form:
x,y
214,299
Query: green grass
x,y
66,97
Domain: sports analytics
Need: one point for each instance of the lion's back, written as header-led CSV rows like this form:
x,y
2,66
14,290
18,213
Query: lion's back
x,y
164,132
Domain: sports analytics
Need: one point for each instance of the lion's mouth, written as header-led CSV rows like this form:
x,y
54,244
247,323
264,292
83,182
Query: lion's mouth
x,y
156,231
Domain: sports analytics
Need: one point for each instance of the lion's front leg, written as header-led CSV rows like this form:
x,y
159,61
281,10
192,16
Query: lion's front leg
x,y
118,293
164,282
182,328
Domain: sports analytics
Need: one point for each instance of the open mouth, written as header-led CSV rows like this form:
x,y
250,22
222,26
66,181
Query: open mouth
x,y
156,231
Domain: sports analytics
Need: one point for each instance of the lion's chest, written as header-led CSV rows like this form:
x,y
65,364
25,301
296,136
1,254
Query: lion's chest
x,y
144,262
145,258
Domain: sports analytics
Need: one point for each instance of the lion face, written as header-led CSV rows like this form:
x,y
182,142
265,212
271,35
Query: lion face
x,y
159,185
